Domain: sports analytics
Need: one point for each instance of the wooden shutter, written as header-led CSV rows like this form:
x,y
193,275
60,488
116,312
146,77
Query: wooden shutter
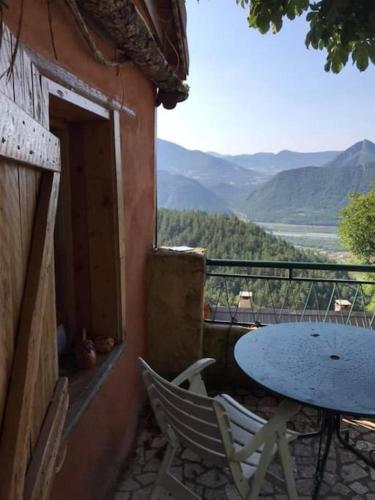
x,y
33,402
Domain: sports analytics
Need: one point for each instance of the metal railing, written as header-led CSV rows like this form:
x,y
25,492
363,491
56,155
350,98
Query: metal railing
x,y
263,292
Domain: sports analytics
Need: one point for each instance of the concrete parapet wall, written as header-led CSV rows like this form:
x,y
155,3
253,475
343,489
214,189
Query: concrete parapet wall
x,y
175,282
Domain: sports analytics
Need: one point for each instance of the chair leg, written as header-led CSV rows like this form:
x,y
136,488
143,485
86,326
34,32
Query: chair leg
x,y
286,462
163,472
258,478
166,481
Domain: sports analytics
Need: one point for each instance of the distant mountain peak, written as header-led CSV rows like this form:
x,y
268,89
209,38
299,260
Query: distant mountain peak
x,y
359,154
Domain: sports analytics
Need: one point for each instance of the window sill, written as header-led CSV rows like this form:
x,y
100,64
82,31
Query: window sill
x,y
85,384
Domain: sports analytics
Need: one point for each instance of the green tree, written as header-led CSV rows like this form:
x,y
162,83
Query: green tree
x,y
342,27
225,236
357,227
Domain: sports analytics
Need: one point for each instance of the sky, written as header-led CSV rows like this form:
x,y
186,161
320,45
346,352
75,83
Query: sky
x,y
264,93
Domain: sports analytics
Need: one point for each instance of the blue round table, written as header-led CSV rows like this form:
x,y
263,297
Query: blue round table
x,y
325,365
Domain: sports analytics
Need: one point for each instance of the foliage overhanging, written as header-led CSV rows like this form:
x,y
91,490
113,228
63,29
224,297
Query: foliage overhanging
x,y
357,227
343,27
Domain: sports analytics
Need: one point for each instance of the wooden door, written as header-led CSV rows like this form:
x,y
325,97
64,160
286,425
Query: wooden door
x,y
33,402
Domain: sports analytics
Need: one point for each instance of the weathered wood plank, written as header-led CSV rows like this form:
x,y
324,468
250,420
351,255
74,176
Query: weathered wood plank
x,y
13,216
25,140
71,81
28,188
16,424
48,361
41,469
81,253
40,96
6,81
64,246
102,235
22,78
8,202
119,222
74,98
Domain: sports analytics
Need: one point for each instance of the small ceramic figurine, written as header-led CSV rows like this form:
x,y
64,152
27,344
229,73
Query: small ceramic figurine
x,y
104,344
85,352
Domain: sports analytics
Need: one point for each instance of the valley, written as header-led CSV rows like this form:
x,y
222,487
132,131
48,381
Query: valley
x,y
323,238
292,195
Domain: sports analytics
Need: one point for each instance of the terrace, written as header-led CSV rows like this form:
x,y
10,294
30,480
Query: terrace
x,y
179,284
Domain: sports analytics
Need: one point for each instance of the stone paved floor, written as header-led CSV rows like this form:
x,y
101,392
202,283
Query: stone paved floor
x,y
345,477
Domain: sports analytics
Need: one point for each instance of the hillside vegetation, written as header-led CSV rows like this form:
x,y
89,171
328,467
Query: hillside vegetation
x,y
225,236
310,195
181,193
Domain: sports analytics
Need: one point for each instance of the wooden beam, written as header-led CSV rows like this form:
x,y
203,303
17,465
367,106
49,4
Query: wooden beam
x,y
16,428
41,470
76,99
72,82
119,221
7,79
24,140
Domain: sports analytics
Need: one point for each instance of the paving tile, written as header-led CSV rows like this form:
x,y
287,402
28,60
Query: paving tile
x,y
196,488
306,471
352,472
371,485
152,466
215,495
232,493
147,478
192,470
267,488
143,494
213,478
190,455
341,489
128,485
158,442
177,472
331,466
359,488
304,486
151,453
330,478
345,476
122,495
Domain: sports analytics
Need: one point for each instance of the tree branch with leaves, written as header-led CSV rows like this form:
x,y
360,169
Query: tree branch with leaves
x,y
343,27
357,226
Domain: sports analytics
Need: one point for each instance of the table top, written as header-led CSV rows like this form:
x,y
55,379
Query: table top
x,y
325,365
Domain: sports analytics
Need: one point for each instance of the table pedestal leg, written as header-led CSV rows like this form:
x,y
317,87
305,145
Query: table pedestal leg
x,y
327,430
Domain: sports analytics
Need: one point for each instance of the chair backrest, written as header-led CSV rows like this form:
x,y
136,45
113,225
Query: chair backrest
x,y
187,417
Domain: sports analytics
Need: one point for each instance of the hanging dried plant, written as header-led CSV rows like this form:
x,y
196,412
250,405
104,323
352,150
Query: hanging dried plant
x,y
9,70
52,36
98,54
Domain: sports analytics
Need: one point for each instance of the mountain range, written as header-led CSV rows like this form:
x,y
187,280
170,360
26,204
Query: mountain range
x,y
181,193
314,195
269,163
291,187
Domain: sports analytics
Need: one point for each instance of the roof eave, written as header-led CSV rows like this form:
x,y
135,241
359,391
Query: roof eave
x,y
123,24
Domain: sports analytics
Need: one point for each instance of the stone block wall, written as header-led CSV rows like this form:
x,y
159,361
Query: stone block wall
x,y
175,282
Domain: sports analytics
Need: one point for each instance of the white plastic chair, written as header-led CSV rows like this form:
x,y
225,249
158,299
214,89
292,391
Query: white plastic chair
x,y
219,430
